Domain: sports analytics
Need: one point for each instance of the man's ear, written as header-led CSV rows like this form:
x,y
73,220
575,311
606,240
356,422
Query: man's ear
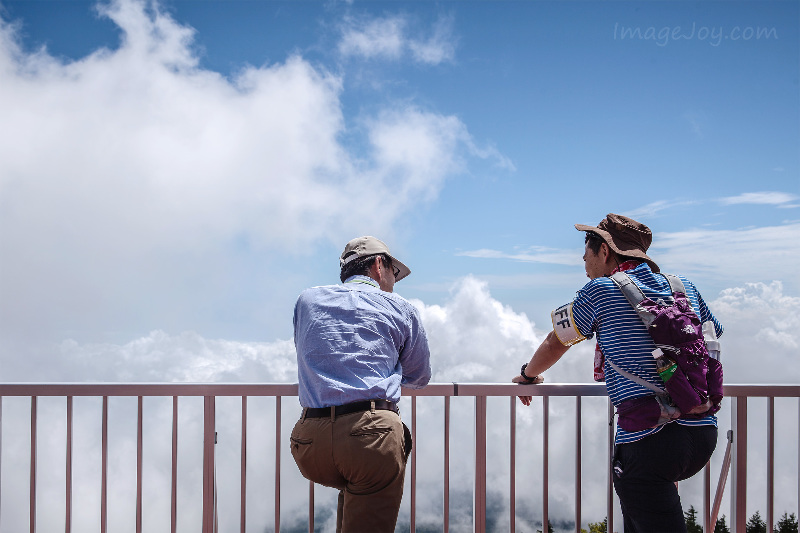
x,y
606,253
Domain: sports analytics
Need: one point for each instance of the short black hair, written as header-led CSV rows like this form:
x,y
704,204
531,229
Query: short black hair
x,y
362,265
594,241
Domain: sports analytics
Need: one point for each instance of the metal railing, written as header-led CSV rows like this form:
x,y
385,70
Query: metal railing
x,y
736,454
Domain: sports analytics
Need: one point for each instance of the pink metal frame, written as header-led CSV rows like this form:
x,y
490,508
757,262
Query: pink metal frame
x,y
735,454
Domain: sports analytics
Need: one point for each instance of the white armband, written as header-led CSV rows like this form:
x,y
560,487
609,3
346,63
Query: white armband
x,y
564,326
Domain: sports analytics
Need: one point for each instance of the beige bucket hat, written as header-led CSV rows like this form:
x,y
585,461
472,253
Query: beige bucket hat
x,y
366,246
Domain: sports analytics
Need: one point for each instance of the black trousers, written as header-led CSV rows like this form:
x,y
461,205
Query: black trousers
x,y
645,473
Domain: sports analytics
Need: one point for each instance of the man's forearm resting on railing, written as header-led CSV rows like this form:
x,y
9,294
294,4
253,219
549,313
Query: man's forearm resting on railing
x,y
546,355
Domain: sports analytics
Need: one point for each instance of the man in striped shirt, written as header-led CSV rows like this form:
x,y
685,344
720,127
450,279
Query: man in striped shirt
x,y
647,463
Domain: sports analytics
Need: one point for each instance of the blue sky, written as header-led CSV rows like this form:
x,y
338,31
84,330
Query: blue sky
x,y
174,174
682,114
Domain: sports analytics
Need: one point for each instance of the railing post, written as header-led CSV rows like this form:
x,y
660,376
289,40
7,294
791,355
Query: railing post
x,y
545,462
68,488
739,464
413,517
209,440
512,489
479,509
770,463
578,445
446,502
33,466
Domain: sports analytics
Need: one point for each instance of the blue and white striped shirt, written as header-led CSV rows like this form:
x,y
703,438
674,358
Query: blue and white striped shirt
x,y
356,342
601,308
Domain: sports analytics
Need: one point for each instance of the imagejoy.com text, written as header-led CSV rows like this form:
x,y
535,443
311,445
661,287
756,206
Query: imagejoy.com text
x,y
713,35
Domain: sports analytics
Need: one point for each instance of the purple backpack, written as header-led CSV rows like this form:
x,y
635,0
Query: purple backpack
x,y
695,388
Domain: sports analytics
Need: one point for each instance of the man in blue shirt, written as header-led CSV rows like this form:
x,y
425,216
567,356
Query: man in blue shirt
x,y
357,343
647,462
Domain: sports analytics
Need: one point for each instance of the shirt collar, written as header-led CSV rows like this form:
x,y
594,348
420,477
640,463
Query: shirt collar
x,y
366,280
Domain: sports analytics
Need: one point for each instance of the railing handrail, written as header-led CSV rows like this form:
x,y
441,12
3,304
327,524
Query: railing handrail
x,y
290,389
737,393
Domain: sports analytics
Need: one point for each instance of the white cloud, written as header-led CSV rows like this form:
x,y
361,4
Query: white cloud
x,y
735,256
759,320
536,254
131,177
726,257
654,208
780,199
388,38
473,336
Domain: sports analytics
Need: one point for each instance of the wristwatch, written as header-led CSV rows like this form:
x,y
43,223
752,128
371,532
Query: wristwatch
x,y
524,376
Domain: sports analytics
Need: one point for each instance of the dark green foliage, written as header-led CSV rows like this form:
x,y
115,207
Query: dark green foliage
x,y
787,524
691,521
755,524
599,527
721,526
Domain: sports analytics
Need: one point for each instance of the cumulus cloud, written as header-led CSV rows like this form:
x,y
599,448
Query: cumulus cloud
x,y
132,176
473,337
759,319
389,38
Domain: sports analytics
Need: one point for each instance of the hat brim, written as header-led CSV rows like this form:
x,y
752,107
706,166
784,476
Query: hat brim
x,y
404,270
632,252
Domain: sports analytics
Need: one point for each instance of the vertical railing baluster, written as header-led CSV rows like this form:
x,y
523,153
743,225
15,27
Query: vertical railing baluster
x,y
739,464
1,452
243,497
610,485
310,507
512,499
209,442
545,461
446,500
68,493
33,466
104,469
277,464
707,497
174,487
413,517
139,438
578,464
770,462
479,508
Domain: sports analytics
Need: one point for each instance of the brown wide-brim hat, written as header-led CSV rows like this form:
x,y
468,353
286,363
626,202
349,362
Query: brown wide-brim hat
x,y
625,236
366,246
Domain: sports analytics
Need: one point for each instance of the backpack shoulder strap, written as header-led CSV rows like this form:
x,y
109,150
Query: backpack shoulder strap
x,y
675,283
637,379
633,294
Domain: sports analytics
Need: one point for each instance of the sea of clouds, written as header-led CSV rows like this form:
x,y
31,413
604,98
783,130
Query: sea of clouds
x,y
133,176
473,338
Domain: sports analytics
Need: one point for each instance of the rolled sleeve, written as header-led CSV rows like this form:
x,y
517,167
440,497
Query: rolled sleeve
x,y
415,357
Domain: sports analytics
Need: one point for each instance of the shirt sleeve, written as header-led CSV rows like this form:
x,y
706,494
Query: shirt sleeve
x,y
415,356
574,322
705,313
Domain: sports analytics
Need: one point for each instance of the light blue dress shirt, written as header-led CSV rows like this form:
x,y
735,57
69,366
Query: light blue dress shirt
x,y
356,342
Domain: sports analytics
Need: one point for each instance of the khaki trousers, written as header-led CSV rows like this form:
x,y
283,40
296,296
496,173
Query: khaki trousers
x,y
364,456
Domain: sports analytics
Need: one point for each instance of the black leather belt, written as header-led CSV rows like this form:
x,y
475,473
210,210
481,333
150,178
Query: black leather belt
x,y
355,407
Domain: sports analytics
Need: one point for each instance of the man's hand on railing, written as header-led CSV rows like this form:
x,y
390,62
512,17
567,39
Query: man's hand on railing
x,y
526,400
